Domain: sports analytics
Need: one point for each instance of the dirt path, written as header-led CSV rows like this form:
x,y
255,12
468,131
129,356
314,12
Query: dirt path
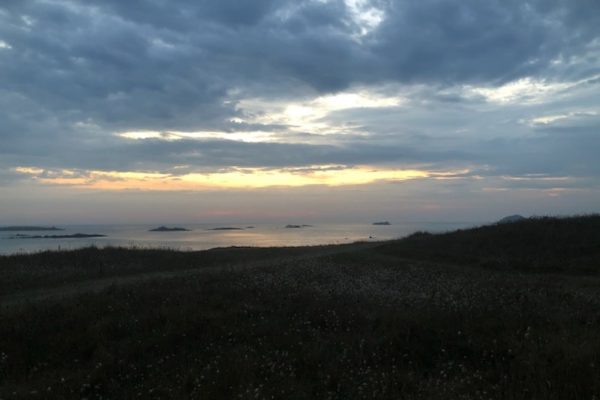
x,y
34,296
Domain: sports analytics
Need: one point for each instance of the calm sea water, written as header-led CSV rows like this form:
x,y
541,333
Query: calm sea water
x,y
201,237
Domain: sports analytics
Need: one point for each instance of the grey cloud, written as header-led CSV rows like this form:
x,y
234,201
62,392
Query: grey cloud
x,y
548,183
563,151
133,65
9,178
203,155
474,41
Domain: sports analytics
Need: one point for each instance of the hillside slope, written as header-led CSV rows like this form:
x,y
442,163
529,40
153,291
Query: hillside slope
x,y
562,244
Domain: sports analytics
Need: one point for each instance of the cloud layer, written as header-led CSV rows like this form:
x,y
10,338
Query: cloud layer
x,y
498,88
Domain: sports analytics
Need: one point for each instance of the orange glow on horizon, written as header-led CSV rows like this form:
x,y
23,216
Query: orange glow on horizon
x,y
238,178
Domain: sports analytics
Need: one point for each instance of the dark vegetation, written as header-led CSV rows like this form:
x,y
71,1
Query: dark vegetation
x,y
535,244
387,321
50,269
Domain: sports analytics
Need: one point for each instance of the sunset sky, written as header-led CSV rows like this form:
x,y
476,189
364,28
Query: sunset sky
x,y
278,110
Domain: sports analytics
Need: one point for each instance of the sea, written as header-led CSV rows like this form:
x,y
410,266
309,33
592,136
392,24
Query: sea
x,y
204,236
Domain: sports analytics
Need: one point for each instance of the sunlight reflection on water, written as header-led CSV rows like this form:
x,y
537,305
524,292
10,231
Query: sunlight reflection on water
x,y
201,237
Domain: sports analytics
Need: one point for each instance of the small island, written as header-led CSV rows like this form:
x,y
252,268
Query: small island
x,y
290,226
73,236
511,218
167,229
29,228
226,228
381,223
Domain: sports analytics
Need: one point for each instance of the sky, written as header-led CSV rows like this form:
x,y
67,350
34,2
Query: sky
x,y
306,110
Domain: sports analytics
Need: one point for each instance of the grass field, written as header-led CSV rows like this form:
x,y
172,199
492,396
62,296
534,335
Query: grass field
x,y
499,312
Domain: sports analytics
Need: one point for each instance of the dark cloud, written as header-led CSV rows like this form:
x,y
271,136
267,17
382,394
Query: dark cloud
x,y
212,155
474,41
567,151
76,72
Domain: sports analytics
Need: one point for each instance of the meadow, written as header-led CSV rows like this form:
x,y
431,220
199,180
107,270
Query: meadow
x,y
497,312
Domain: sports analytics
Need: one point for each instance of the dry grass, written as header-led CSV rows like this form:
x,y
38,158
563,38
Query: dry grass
x,y
356,325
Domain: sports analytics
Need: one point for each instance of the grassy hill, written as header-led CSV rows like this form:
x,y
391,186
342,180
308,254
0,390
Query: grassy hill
x,y
560,244
451,316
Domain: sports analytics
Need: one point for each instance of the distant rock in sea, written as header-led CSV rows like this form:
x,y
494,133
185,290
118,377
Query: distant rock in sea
x,y
167,229
249,227
511,218
226,228
297,226
381,223
73,236
29,228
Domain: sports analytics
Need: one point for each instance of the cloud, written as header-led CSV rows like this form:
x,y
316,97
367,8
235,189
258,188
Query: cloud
x,y
204,155
472,41
442,84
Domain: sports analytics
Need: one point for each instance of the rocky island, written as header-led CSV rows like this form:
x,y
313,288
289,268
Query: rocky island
x,y
511,218
167,229
381,223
